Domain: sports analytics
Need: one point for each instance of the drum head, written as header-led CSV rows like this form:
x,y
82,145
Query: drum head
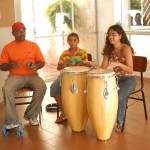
x,y
75,69
101,73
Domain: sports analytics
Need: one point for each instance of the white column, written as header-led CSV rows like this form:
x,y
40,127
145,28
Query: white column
x,y
105,18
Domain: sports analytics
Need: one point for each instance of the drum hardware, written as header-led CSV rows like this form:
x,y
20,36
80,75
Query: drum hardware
x,y
117,87
85,91
106,93
73,88
85,87
60,84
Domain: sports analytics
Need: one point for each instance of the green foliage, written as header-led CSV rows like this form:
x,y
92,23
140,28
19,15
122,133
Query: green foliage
x,y
136,4
54,8
118,23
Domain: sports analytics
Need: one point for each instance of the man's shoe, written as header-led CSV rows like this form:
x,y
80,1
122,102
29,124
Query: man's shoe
x,y
34,122
11,126
16,125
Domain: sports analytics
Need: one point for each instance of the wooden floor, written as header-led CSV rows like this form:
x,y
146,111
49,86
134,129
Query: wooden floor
x,y
51,136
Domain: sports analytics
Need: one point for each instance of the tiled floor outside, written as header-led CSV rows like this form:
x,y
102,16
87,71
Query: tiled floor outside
x,y
49,72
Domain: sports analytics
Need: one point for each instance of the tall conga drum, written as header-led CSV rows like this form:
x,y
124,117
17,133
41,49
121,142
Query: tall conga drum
x,y
102,101
74,96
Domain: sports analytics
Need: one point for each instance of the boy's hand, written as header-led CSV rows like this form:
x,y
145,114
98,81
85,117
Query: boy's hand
x,y
89,63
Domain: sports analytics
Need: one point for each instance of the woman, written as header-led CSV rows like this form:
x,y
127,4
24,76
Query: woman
x,y
117,53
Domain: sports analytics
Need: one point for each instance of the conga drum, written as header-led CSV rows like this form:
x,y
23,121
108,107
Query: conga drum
x,y
102,101
74,97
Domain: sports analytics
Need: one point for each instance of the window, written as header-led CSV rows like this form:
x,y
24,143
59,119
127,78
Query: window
x,y
141,12
69,16
136,14
136,21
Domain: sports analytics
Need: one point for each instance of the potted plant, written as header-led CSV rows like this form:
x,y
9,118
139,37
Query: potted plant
x,y
135,4
54,9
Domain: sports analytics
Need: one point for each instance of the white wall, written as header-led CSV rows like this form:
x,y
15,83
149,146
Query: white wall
x,y
105,18
6,32
5,38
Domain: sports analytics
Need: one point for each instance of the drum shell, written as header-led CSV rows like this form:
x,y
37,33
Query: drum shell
x,y
75,104
102,112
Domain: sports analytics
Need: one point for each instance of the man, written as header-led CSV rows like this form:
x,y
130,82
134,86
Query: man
x,y
22,58
138,19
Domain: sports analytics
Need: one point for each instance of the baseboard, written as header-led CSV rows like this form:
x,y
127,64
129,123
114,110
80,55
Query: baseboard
x,y
1,103
145,78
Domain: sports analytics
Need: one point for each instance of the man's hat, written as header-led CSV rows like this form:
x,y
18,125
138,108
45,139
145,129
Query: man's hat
x,y
18,26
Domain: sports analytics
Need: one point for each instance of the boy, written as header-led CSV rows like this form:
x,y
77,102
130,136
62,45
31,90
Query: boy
x,y
74,56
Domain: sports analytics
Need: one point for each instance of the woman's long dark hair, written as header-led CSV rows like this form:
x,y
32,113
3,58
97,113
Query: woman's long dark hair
x,y
107,50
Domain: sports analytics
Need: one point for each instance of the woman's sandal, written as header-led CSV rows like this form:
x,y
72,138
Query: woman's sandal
x,y
61,120
119,128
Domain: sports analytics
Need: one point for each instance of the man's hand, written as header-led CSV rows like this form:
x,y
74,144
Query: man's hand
x,y
14,65
8,66
33,67
36,66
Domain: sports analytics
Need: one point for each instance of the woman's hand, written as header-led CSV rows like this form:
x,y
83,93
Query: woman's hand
x,y
91,64
114,64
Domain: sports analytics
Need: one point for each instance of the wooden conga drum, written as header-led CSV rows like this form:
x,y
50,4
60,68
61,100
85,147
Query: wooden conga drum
x,y
74,97
102,101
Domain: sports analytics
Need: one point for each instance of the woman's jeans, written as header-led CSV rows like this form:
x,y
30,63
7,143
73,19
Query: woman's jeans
x,y
126,84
